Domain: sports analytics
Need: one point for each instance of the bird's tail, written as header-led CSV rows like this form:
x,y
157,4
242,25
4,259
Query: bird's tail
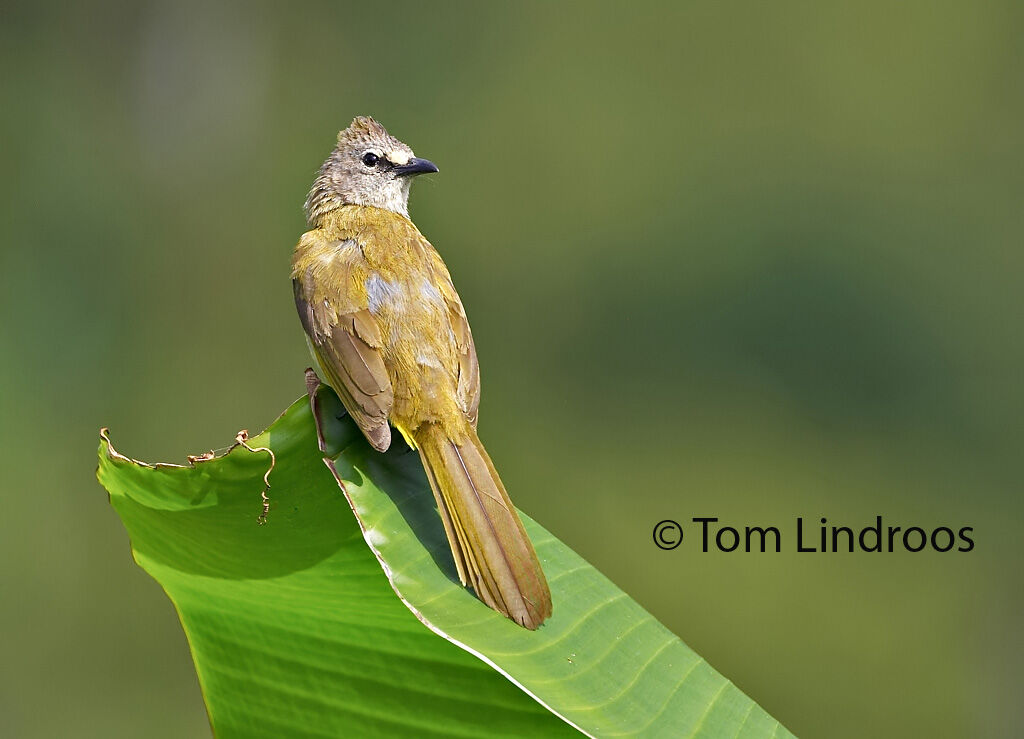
x,y
492,551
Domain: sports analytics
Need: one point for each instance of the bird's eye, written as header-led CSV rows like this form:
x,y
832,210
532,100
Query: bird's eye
x,y
370,159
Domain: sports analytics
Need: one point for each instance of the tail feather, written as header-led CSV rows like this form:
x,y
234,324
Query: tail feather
x,y
492,552
456,544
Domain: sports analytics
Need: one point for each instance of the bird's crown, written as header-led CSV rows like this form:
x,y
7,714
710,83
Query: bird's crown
x,y
365,132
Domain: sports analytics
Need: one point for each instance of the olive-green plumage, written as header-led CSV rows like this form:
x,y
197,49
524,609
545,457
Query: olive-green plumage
x,y
391,337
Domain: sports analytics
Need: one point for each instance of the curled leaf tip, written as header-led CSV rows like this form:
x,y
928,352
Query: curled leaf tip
x,y
240,439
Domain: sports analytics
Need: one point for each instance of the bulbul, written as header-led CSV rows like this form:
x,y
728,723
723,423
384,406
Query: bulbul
x,y
391,337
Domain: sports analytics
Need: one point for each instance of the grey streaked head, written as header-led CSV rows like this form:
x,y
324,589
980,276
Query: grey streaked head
x,y
369,166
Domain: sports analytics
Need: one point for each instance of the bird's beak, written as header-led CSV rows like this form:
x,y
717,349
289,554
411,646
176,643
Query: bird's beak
x,y
415,166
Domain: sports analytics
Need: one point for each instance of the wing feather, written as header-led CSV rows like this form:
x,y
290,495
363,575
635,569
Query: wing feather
x,y
345,339
469,367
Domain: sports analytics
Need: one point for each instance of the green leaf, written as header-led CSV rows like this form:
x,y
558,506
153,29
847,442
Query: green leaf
x,y
296,631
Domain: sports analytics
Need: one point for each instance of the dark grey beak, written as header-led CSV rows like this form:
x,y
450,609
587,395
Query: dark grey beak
x,y
415,166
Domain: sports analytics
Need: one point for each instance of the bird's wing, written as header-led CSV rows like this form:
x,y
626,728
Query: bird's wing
x,y
469,367
345,337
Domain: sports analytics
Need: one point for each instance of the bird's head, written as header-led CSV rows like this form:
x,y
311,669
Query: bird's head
x,y
369,166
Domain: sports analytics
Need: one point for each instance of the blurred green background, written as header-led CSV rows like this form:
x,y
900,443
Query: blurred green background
x,y
745,260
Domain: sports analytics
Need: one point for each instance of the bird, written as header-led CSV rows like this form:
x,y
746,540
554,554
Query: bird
x,y
390,336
